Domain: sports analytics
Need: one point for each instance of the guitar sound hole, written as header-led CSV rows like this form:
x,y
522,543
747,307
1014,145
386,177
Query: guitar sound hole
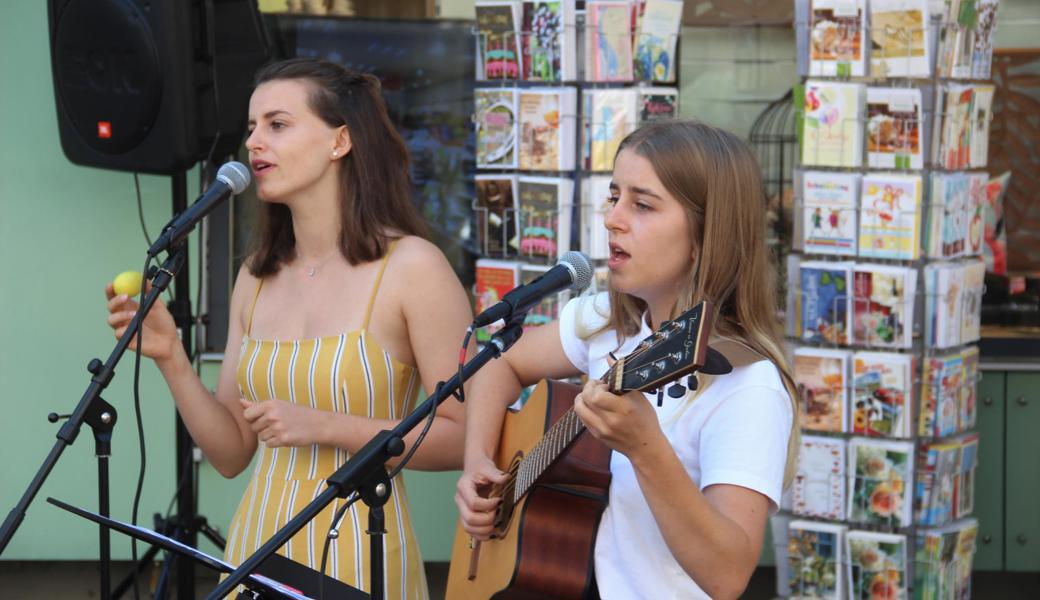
x,y
506,491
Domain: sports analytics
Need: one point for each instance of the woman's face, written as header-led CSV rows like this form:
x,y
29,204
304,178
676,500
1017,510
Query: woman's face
x,y
651,250
290,147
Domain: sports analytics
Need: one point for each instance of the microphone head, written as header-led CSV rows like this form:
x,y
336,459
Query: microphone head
x,y
235,175
580,267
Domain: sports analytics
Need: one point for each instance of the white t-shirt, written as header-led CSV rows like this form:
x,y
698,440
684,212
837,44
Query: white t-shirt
x,y
736,432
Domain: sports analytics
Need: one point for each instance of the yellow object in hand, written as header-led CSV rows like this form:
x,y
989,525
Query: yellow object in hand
x,y
127,282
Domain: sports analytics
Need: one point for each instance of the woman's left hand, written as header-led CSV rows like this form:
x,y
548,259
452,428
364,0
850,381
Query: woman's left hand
x,y
625,423
280,423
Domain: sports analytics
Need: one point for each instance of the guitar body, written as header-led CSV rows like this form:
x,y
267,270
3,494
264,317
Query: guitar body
x,y
546,549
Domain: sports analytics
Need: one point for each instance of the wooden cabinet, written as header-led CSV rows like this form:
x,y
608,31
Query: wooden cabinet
x,y
1007,485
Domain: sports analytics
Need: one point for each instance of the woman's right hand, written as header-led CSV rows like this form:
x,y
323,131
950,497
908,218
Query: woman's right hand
x,y
476,510
160,331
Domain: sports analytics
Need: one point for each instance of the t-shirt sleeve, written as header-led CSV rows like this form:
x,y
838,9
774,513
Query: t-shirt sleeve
x,y
744,441
576,349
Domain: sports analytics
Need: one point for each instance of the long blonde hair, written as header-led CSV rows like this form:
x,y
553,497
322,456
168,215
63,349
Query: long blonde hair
x,y
716,178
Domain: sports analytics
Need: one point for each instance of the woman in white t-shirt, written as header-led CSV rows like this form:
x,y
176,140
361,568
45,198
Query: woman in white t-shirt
x,y
694,480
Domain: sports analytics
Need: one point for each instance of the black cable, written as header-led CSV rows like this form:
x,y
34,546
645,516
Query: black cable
x,y
328,539
144,228
140,211
433,409
204,179
140,424
212,39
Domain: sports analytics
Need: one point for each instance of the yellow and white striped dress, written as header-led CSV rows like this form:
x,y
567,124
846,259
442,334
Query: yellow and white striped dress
x,y
347,373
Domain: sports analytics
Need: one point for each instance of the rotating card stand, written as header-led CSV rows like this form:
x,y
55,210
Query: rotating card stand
x,y
937,156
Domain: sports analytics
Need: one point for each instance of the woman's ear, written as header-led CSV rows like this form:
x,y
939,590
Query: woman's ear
x,y
342,143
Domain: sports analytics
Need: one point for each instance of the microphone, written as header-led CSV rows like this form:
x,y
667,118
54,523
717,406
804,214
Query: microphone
x,y
573,271
232,179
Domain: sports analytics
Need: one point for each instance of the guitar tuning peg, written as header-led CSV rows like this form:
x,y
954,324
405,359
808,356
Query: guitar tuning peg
x,y
676,390
660,397
691,383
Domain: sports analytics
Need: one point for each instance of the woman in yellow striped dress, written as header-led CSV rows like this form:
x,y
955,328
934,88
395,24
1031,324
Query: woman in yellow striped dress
x,y
340,314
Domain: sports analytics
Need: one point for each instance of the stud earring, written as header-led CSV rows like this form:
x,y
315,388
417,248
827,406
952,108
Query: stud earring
x,y
335,152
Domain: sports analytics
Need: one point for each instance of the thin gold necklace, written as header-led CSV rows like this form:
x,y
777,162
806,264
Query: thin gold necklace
x,y
312,270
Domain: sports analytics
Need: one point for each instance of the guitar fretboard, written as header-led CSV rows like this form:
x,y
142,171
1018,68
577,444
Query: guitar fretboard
x,y
542,456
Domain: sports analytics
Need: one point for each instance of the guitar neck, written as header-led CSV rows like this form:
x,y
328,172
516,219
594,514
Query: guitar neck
x,y
678,348
559,437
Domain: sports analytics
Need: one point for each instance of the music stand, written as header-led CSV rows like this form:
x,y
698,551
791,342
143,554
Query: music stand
x,y
264,582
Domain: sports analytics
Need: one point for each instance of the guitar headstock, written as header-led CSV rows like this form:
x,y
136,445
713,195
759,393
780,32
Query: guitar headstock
x,y
678,348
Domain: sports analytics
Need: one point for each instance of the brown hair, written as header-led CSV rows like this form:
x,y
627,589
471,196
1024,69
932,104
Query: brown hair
x,y
716,178
375,188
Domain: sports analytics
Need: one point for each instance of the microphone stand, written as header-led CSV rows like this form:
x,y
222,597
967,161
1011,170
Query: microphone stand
x,y
366,472
100,416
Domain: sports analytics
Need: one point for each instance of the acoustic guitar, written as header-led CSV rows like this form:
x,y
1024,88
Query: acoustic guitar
x,y
559,475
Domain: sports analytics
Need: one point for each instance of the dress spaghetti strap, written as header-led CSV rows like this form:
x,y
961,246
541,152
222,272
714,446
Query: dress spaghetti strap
x,y
252,307
375,289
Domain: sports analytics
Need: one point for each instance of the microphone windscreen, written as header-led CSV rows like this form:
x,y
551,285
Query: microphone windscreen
x,y
236,175
581,266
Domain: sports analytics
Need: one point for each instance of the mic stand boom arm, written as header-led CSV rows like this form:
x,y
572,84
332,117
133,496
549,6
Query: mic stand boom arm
x,y
97,413
366,471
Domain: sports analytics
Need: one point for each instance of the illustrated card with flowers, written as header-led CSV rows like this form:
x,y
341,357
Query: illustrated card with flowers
x,y
815,556
832,126
656,37
542,40
883,305
881,482
877,565
818,489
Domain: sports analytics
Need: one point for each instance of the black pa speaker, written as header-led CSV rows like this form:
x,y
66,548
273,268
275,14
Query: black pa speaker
x,y
153,86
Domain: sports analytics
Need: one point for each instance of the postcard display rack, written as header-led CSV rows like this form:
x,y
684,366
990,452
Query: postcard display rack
x,y
559,85
884,297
